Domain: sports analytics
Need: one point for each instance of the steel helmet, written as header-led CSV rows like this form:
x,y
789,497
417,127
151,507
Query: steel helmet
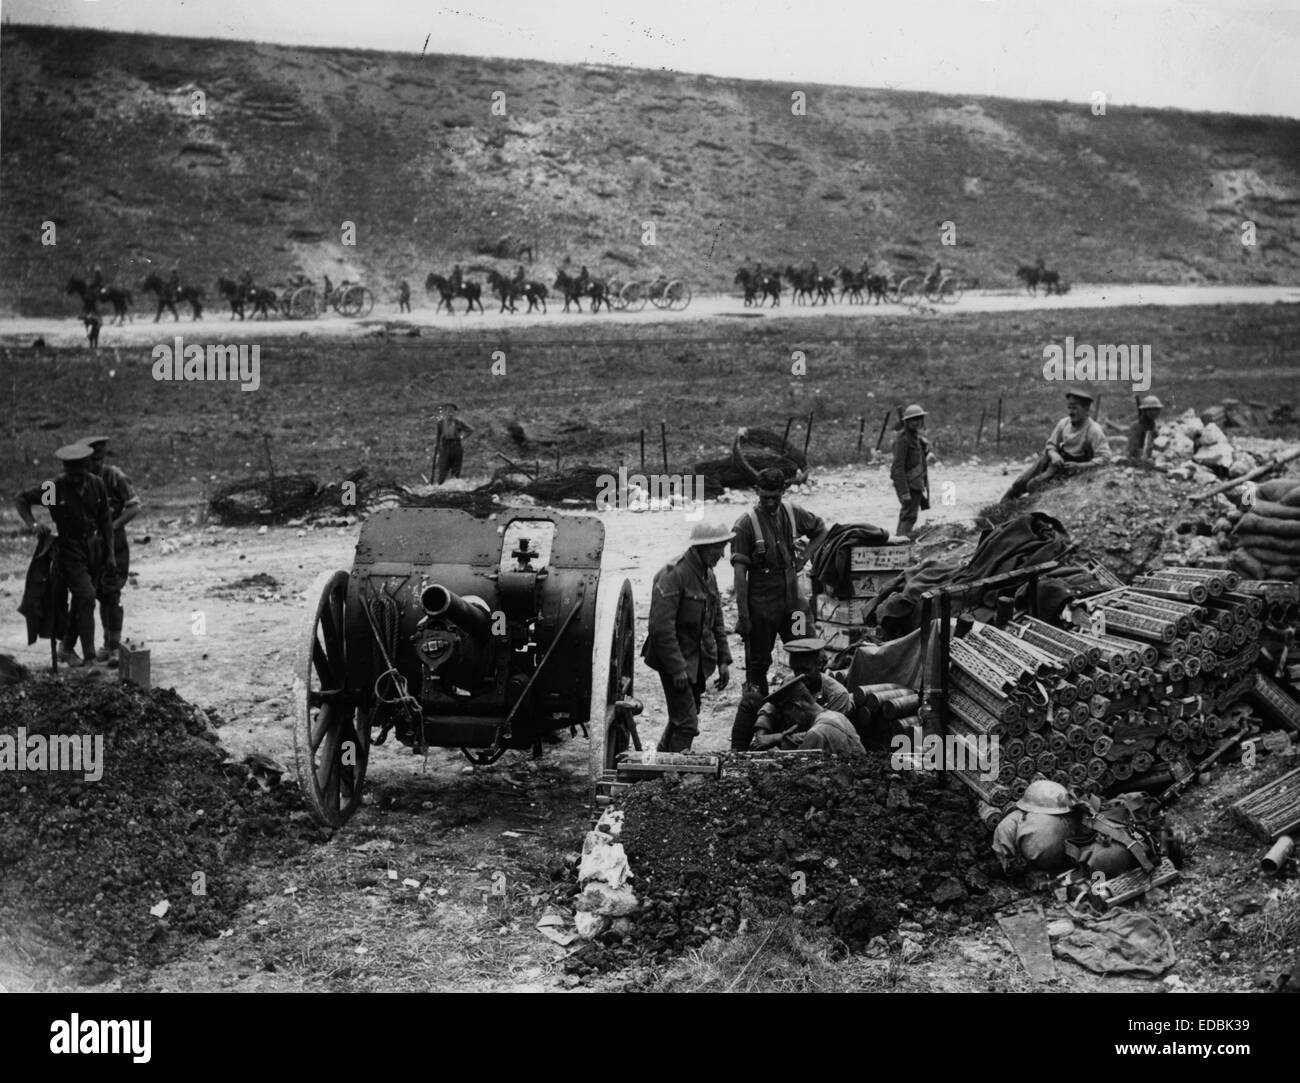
x,y
707,534
1151,403
913,411
1045,796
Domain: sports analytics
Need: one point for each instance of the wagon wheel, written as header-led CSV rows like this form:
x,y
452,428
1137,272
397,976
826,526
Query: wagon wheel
x,y
330,748
659,294
635,296
367,302
679,295
950,291
350,301
612,728
891,292
302,303
909,290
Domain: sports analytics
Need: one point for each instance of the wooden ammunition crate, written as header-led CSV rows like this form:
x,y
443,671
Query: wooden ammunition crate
x,y
867,558
869,584
846,611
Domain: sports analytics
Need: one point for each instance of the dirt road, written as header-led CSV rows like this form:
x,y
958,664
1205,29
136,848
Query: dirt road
x,y
142,331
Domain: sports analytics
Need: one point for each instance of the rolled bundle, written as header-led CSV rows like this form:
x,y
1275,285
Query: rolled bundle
x,y
1172,588
1014,727
1102,681
1114,656
1067,638
1179,731
894,705
1191,611
1173,669
1141,762
1194,642
1107,779
1068,655
1173,649
994,674
1195,728
1083,684
1082,754
1013,749
1064,694
1097,768
1035,744
1020,653
1098,706
1061,718
1200,746
1075,736
973,714
1102,745
995,794
1209,637
1056,742
1094,728
1143,653
1045,762
1001,707
1216,580
1077,774
1035,720
990,815
1121,770
1079,714
1214,725
1253,603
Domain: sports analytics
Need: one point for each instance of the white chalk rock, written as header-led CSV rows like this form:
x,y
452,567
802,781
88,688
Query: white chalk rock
x,y
1181,445
1190,423
607,864
611,823
1212,435
1243,462
589,925
610,902
1215,455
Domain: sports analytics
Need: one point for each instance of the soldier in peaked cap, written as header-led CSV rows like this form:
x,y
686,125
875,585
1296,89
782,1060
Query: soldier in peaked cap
x,y
1142,433
768,557
1077,443
124,505
910,472
806,657
797,721
687,639
78,504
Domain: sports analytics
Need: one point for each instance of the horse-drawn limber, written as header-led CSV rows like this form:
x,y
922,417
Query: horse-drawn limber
x,y
669,294
303,301
457,632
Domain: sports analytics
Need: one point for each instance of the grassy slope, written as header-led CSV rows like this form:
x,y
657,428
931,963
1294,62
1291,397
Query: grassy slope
x,y
98,136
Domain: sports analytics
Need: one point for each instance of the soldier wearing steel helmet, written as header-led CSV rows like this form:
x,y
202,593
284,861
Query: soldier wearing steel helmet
x,y
78,504
124,505
1035,834
687,640
910,472
1142,433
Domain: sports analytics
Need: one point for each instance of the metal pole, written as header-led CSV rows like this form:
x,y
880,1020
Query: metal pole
x,y
999,419
643,451
980,431
807,435
663,441
862,431
883,426
785,436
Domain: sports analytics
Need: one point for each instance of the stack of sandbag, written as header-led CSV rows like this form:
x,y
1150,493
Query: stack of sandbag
x,y
1267,535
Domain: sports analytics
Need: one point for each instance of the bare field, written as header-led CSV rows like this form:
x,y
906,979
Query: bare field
x,y
335,918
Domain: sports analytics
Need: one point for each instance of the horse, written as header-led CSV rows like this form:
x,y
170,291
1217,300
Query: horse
x,y
801,282
471,291
507,289
241,295
232,293
597,289
747,280
851,283
1032,276
769,282
536,293
120,299
572,288
825,288
190,294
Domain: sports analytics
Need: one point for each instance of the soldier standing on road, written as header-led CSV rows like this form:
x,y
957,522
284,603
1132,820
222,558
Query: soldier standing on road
x,y
910,472
687,639
403,296
767,558
123,505
78,504
448,452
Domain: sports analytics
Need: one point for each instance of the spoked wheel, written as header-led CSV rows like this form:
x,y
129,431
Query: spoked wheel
x,y
659,295
614,291
611,721
891,293
367,302
909,290
330,744
950,291
679,295
350,301
302,303
635,296
482,757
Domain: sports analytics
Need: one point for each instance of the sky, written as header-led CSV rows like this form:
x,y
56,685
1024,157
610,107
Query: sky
x,y
1235,56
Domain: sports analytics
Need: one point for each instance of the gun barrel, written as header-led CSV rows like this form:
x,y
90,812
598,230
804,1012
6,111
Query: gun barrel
x,y
474,620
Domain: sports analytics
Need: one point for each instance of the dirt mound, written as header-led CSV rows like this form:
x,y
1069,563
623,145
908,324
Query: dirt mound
x,y
84,861
847,848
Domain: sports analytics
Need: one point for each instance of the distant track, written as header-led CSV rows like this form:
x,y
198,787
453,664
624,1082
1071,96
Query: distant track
x,y
714,310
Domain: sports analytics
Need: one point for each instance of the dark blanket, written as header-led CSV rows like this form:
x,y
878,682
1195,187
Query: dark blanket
x,y
1018,543
830,561
45,602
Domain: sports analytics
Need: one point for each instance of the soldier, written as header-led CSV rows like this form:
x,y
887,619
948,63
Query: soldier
x,y
246,284
933,278
172,290
767,559
1142,433
687,639
519,280
329,290
96,282
403,296
123,505
797,721
455,280
1036,833
1077,443
78,504
448,452
910,472
806,658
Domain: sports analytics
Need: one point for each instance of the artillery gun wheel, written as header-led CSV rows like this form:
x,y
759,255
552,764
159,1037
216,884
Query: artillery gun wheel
x,y
635,296
909,290
330,747
612,727
302,303
679,295
950,291
659,294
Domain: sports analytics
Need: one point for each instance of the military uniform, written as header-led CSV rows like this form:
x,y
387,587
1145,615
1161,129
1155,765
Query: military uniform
x,y
686,634
81,514
451,452
911,477
768,556
1085,444
121,495
403,297
756,715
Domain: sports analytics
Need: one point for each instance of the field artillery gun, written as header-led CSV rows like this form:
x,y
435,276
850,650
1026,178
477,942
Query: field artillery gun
x,y
457,632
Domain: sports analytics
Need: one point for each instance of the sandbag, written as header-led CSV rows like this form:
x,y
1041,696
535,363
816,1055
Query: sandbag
x,y
1283,571
1253,523
1267,541
1271,509
1277,488
1244,562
